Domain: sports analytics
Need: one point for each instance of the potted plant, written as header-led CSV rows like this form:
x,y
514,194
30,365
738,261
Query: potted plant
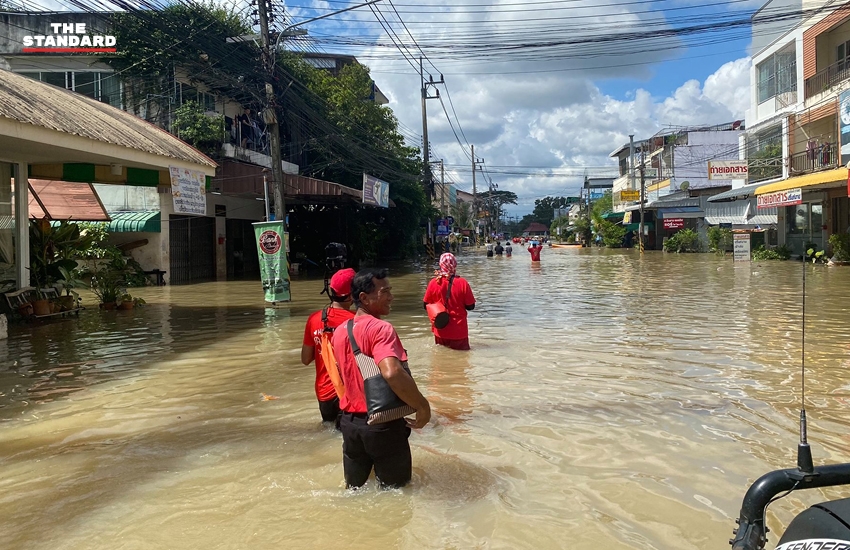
x,y
107,286
126,301
840,243
68,283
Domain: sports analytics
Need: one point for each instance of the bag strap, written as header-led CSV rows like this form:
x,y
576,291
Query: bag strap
x,y
448,292
325,321
354,347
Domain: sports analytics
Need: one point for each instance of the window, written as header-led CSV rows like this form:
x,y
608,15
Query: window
x,y
204,100
102,86
804,219
777,74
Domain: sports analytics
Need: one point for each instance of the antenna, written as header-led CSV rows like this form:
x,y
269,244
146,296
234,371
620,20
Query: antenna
x,y
804,452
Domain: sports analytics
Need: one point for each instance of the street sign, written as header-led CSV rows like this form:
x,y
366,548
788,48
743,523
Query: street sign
x,y
741,247
628,195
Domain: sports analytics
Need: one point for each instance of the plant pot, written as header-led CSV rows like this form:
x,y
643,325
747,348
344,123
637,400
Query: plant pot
x,y
67,302
25,310
109,306
125,305
41,307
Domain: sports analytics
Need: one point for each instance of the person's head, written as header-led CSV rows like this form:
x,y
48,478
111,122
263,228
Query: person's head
x,y
340,286
448,264
372,292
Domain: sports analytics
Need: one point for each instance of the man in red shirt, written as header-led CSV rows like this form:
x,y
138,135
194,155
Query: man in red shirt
x,y
455,335
337,313
382,446
535,252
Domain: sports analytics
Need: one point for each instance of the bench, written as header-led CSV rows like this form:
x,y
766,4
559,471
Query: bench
x,y
27,295
159,273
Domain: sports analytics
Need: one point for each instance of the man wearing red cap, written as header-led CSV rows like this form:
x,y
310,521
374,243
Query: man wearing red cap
x,y
331,317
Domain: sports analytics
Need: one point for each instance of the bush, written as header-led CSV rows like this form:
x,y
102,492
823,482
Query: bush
x,y
840,243
719,239
779,253
685,240
612,233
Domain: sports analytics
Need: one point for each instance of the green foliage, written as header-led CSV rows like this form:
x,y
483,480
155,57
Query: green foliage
x,y
462,213
779,253
612,233
758,172
194,126
684,240
544,210
840,243
53,249
719,239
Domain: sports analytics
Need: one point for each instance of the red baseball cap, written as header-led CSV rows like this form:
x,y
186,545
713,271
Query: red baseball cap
x,y
341,282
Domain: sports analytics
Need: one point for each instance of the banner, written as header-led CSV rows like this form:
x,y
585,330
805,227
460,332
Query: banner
x,y
442,227
780,198
727,170
844,125
189,190
274,269
375,192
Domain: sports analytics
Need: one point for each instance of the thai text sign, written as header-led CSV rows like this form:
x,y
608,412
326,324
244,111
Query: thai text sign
x,y
674,223
727,170
741,247
628,195
189,190
781,198
375,192
274,269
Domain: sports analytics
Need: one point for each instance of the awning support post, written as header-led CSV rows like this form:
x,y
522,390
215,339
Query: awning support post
x,y
22,226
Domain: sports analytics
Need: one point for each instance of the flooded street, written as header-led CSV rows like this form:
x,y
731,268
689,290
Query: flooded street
x,y
609,401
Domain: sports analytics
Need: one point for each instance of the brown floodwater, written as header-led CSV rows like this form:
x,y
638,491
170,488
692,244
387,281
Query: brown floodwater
x,y
609,401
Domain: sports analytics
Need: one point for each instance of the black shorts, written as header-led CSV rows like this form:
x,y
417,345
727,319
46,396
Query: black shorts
x,y
382,446
330,411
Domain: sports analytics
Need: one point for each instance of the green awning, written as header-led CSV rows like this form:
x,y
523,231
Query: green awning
x,y
634,226
126,222
613,216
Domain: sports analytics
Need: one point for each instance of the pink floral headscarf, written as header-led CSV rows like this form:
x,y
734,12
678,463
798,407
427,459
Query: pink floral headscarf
x,y
448,265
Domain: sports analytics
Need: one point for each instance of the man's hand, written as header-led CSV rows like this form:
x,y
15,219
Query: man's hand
x,y
422,417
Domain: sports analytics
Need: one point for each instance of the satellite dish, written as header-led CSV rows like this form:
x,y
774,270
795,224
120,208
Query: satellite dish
x,y
685,184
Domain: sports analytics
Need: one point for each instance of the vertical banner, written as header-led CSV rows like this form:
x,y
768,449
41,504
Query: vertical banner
x,y
844,125
274,268
189,191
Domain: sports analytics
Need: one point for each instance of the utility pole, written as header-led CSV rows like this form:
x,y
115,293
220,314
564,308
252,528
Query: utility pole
x,y
270,116
443,187
474,193
642,187
426,154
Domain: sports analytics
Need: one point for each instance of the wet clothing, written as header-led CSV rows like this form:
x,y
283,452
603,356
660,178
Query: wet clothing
x,y
330,411
461,297
461,344
312,334
498,250
535,253
509,250
383,446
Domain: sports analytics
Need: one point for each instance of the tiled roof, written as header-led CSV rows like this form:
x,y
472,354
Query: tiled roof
x,y
32,102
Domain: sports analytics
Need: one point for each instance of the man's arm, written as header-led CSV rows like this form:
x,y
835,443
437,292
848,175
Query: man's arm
x,y
405,388
308,353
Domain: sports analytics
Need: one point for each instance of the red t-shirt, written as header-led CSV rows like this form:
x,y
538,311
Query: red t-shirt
x,y
312,337
378,340
535,254
461,296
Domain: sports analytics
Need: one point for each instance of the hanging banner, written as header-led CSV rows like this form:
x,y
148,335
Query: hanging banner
x,y
844,125
274,268
189,191
442,227
375,192
780,198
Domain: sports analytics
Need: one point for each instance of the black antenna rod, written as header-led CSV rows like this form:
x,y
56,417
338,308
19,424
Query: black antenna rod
x,y
804,452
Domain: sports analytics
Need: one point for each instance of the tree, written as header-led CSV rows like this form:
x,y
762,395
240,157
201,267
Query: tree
x,y
194,126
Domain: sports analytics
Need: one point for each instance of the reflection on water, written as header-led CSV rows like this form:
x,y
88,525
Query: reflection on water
x,y
609,401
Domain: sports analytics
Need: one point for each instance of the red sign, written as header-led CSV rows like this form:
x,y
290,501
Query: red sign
x,y
270,242
848,183
674,223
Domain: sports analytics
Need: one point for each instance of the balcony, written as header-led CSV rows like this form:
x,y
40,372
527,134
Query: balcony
x,y
824,157
827,78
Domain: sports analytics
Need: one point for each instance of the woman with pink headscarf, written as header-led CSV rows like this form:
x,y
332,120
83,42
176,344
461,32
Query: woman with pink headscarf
x,y
455,293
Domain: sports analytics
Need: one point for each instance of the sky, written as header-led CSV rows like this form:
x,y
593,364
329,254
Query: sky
x,y
544,90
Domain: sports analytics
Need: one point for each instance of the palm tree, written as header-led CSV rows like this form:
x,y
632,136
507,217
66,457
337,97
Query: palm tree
x,y
462,213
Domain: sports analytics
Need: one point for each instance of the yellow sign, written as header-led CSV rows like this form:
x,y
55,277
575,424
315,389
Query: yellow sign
x,y
629,195
627,218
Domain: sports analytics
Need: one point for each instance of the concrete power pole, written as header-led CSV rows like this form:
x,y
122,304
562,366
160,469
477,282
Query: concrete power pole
x,y
426,154
270,116
443,187
642,187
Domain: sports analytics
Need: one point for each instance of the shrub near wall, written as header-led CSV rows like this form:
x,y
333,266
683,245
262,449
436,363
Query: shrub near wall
x,y
685,240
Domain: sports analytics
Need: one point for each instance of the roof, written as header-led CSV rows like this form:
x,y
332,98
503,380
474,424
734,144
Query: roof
x,y
125,222
29,101
535,227
744,192
63,200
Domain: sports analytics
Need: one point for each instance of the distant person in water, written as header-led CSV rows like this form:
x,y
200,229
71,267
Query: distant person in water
x,y
535,249
456,294
489,249
499,248
508,249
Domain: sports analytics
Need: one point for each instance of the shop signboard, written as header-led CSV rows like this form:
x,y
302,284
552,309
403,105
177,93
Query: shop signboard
x,y
375,191
781,198
727,169
189,191
674,223
274,268
628,195
741,247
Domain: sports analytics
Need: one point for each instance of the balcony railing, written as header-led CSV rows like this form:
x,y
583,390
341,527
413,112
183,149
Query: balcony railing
x,y
827,78
823,157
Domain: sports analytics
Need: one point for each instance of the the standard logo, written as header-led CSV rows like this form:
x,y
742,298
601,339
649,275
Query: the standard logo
x,y
270,242
815,544
68,38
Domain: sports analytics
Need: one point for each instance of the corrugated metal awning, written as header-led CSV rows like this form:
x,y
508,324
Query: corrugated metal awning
x,y
62,200
128,222
744,192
